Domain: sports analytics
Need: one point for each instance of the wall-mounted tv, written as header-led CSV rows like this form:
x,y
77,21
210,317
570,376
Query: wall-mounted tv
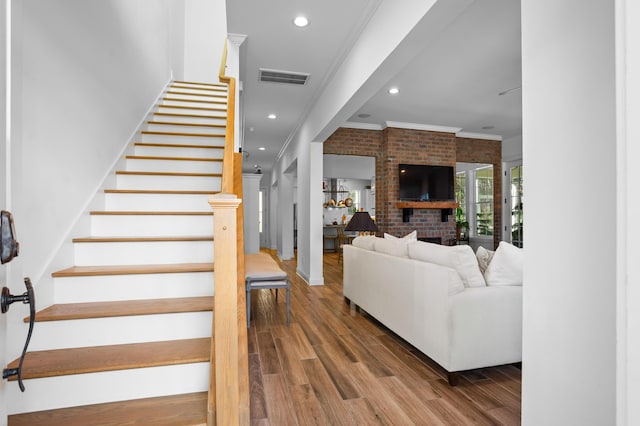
x,y
426,183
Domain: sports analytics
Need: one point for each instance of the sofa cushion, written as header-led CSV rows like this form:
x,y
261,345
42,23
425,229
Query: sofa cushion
x,y
365,242
484,257
411,236
460,258
395,247
506,266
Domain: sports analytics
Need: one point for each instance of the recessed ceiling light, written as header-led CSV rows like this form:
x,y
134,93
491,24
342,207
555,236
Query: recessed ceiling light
x,y
262,148
300,21
394,91
271,116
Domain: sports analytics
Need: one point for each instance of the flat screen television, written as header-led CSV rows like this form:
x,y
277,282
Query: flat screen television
x,y
426,183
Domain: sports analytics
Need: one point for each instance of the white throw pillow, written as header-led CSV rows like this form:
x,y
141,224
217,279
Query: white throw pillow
x,y
506,266
460,258
484,257
411,236
365,242
396,247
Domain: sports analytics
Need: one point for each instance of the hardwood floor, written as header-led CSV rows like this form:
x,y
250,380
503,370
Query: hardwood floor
x,y
335,366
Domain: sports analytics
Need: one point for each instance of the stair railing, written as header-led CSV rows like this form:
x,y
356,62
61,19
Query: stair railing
x,y
228,399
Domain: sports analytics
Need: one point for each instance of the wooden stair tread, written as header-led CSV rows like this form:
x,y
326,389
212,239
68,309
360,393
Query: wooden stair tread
x,y
173,268
127,172
173,123
195,83
147,213
148,157
176,145
194,100
140,239
193,107
176,92
74,311
175,410
159,191
63,362
172,114
197,135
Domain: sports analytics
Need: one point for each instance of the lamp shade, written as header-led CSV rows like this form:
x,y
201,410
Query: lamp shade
x,y
361,222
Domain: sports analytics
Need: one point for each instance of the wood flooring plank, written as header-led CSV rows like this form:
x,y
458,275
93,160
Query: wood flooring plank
x,y
409,402
280,406
258,404
268,354
363,412
337,372
408,358
307,406
364,355
326,393
383,403
462,403
290,362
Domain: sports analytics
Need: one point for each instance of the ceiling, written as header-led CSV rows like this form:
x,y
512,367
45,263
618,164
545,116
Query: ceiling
x,y
454,82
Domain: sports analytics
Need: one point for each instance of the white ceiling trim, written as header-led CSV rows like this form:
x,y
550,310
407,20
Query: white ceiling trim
x,y
362,126
479,136
426,127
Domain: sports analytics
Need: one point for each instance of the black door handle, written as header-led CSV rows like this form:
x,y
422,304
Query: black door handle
x,y
28,297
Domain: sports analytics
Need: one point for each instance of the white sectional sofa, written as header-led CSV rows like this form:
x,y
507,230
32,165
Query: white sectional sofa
x,y
438,299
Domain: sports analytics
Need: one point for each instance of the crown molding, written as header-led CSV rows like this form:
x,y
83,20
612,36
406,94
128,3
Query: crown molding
x,y
479,136
425,127
236,39
362,126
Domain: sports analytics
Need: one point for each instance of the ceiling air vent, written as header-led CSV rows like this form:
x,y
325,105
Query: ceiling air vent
x,y
287,77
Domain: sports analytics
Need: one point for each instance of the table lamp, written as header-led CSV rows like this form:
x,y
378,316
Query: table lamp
x,y
362,223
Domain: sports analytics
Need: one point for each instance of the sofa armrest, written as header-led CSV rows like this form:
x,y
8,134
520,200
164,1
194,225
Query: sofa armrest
x,y
486,327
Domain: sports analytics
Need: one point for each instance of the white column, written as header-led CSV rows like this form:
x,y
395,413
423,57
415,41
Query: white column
x,y
285,216
250,194
570,271
233,70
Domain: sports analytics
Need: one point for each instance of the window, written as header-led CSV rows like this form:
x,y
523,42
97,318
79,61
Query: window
x,y
484,201
517,219
461,191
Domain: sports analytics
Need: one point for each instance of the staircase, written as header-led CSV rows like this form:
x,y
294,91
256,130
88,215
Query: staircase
x,y
129,337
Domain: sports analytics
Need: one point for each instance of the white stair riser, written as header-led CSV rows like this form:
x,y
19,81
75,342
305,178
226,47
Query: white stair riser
x,y
196,183
142,253
108,288
214,112
206,104
157,202
186,129
95,388
221,120
150,226
179,166
120,330
191,89
183,140
179,93
188,152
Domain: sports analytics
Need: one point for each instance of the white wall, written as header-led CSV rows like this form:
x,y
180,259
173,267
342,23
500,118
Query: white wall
x,y
512,149
628,66
569,312
349,166
205,32
85,74
250,190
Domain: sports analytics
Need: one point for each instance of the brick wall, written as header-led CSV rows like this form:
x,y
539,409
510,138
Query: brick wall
x,y
393,146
